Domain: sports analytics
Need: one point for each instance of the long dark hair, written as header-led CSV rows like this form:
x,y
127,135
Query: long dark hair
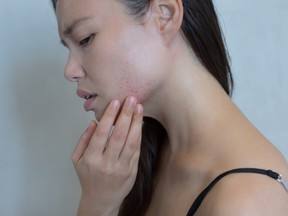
x,y
201,28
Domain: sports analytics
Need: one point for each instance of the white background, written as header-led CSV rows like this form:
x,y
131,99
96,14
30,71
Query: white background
x,y
41,118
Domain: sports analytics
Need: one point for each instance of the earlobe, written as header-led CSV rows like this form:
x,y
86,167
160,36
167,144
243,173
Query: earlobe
x,y
170,16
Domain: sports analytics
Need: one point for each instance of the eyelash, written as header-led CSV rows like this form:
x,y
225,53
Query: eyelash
x,y
86,40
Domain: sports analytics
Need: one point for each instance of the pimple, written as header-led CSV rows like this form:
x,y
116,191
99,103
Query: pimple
x,y
130,85
133,89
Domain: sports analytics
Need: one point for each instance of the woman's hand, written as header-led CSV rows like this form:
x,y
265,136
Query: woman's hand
x,y
106,162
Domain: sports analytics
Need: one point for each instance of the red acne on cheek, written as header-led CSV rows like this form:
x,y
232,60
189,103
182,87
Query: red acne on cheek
x,y
133,85
142,93
131,89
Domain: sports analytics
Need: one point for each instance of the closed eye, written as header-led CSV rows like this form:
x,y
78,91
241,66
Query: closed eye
x,y
86,40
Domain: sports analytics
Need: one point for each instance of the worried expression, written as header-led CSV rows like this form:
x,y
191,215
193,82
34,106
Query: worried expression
x,y
111,55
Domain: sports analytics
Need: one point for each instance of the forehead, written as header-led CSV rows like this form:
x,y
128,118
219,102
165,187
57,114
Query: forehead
x,y
69,11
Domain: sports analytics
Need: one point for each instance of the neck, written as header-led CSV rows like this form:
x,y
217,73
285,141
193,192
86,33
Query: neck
x,y
196,112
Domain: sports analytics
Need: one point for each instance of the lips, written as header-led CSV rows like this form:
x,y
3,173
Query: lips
x,y
89,97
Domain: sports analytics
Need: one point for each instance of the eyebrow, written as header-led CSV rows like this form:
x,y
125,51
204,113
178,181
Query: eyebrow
x,y
68,31
76,23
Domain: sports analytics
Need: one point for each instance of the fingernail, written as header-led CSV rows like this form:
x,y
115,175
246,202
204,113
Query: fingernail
x,y
139,109
131,101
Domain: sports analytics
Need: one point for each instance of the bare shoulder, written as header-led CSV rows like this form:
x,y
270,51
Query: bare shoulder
x,y
246,194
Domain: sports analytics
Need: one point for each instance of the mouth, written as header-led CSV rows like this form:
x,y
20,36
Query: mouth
x,y
85,95
88,97
89,102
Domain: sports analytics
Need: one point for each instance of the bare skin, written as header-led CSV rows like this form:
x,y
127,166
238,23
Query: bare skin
x,y
229,141
207,133
106,163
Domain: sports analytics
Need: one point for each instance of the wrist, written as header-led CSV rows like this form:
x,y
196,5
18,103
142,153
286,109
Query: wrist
x,y
90,207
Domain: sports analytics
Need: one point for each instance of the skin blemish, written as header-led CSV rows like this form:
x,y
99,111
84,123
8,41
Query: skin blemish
x,y
133,87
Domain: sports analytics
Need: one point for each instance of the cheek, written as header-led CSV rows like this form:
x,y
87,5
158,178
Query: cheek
x,y
123,66
133,85
140,71
120,72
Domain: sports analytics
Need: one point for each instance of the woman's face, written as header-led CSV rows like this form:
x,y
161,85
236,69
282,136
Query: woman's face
x,y
111,55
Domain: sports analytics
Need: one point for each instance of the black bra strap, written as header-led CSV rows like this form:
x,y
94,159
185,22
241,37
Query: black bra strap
x,y
202,195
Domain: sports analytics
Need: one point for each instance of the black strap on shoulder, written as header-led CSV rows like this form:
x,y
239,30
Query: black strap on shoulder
x,y
202,195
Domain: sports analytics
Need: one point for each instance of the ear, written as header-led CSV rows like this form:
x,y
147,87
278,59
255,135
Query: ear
x,y
169,17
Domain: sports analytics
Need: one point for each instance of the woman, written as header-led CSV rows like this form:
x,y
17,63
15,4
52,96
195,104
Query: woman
x,y
164,60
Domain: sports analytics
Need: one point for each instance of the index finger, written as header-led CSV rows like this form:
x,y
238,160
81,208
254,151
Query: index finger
x,y
100,137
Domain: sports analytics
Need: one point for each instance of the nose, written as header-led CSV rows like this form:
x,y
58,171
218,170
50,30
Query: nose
x,y
73,70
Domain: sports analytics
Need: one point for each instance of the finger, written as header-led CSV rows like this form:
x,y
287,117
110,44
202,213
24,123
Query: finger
x,y
133,141
133,163
100,137
121,129
83,142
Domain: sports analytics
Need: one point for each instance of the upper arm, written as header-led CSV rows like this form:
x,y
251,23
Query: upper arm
x,y
245,195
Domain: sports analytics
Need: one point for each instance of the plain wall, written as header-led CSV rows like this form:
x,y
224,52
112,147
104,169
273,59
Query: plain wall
x,y
41,118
